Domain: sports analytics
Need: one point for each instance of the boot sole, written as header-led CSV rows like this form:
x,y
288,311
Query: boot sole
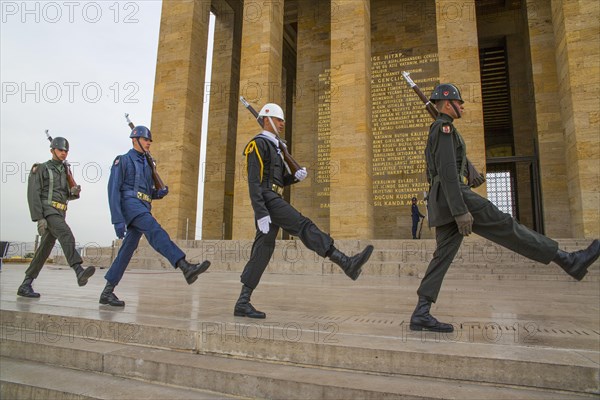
x,y
107,303
29,296
419,328
239,314
87,273
203,267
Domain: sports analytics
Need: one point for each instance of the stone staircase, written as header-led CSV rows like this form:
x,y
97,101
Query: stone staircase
x,y
536,338
477,258
54,356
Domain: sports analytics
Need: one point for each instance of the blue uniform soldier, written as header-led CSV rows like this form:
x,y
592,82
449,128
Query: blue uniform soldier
x,y
456,211
130,194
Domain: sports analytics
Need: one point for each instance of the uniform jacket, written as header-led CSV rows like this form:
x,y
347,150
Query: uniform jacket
x,y
445,155
265,167
129,174
416,214
38,186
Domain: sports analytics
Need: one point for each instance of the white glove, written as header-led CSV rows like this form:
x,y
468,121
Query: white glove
x,y
301,174
263,224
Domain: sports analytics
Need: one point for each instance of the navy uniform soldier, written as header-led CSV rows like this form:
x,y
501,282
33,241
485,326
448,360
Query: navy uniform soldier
x,y
267,176
48,193
416,217
130,194
456,211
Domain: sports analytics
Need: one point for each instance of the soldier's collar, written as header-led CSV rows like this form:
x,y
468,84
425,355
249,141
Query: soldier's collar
x,y
270,136
446,117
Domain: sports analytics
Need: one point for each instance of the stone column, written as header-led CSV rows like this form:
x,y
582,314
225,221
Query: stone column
x,y
351,199
577,56
313,48
260,83
549,126
458,51
177,111
218,170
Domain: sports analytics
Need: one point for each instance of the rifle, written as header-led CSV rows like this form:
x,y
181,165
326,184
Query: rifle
x,y
158,183
70,179
472,173
287,157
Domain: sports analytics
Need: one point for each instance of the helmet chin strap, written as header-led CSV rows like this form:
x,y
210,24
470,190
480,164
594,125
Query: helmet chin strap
x,y
273,126
139,144
456,110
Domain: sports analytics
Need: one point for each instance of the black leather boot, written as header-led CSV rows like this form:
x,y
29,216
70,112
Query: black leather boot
x,y
243,308
352,266
191,271
577,263
83,274
108,297
26,290
421,320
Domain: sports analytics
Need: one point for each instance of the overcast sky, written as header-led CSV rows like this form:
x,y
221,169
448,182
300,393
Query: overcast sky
x,y
75,68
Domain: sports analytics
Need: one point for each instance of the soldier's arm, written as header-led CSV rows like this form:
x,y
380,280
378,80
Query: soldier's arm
x,y
114,191
448,173
34,192
255,156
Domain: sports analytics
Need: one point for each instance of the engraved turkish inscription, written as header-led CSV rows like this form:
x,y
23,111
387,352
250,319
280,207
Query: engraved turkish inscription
x,y
400,127
323,172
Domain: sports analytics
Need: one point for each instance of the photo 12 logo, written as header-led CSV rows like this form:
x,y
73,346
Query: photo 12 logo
x,y
69,92
53,12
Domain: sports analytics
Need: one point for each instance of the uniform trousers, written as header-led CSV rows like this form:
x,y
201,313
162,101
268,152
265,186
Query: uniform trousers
x,y
144,224
288,218
57,229
492,224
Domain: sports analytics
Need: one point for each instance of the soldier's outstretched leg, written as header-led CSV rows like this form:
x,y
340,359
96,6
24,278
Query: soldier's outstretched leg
x,y
83,274
288,218
160,241
191,271
351,265
576,264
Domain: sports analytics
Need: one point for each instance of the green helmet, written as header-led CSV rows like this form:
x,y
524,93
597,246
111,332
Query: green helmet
x,y
445,91
60,143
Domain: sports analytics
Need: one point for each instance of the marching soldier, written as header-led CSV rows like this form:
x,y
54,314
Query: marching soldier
x,y
456,211
130,194
48,193
267,176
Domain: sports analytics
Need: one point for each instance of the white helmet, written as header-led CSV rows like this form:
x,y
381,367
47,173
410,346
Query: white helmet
x,y
271,110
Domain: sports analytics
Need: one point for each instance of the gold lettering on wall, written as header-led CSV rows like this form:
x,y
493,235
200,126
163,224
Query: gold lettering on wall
x,y
400,127
323,173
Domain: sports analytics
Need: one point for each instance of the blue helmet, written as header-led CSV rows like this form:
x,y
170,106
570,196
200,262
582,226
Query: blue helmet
x,y
141,131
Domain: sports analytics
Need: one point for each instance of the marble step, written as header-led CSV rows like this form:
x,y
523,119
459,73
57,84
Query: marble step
x,y
471,355
20,379
247,377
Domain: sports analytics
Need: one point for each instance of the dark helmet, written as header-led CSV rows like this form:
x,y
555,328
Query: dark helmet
x,y
141,131
59,143
414,199
445,91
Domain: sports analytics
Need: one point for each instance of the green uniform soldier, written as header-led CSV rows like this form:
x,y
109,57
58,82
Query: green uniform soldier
x,y
456,211
48,193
